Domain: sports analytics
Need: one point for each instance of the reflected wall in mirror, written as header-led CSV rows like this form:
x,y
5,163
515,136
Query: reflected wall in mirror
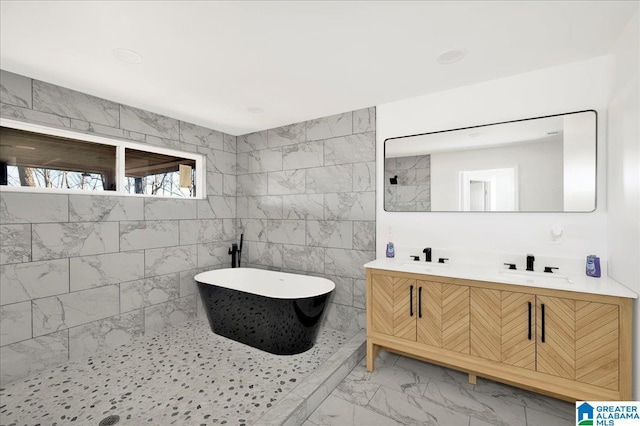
x,y
544,164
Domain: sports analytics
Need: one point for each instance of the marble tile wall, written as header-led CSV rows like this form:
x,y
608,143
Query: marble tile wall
x,y
413,190
84,273
306,204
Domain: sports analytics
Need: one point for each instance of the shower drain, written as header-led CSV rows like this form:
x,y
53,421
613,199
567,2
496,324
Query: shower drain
x,y
109,420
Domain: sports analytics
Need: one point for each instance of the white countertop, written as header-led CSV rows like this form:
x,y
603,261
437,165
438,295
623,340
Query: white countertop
x,y
557,281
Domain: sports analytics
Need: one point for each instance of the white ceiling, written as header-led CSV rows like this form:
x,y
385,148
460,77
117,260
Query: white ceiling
x,y
208,62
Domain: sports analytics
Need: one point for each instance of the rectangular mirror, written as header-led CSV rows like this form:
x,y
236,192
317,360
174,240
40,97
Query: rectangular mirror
x,y
544,164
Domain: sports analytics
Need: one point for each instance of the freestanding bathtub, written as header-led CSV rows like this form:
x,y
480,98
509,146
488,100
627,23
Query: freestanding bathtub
x,y
274,311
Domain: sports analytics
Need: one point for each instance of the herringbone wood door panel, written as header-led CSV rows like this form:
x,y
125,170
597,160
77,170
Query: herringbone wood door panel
x,y
382,304
485,331
517,349
597,342
556,355
430,325
455,318
404,303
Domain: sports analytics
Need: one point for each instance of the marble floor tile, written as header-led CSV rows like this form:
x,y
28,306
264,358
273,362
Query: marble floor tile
x,y
541,418
549,405
425,369
336,411
393,377
463,399
414,410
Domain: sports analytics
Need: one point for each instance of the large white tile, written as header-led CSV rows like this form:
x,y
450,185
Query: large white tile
x,y
329,127
15,243
286,231
67,310
149,234
69,103
172,313
169,208
350,149
463,399
303,155
148,123
390,376
25,281
198,135
201,231
15,89
286,182
303,258
286,135
33,208
326,233
350,206
98,336
15,323
265,160
138,294
24,114
217,207
523,397
364,120
303,206
30,356
166,260
347,263
104,208
57,240
541,418
252,141
95,271
413,410
326,179
336,411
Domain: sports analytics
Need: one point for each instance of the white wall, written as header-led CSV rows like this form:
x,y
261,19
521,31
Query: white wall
x,y
573,87
578,194
539,173
624,171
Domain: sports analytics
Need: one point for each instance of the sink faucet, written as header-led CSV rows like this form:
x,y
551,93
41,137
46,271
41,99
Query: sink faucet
x,y
427,252
530,260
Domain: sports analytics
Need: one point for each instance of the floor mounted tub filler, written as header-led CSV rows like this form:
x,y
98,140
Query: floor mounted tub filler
x,y
277,312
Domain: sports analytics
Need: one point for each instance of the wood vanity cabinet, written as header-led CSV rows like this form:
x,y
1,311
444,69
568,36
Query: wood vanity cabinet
x,y
570,345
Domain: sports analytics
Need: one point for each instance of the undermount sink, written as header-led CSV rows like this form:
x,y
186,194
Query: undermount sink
x,y
533,276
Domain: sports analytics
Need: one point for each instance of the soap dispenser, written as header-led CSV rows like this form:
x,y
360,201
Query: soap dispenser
x,y
391,251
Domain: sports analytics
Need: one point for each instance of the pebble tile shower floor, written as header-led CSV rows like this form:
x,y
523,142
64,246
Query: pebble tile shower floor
x,y
183,376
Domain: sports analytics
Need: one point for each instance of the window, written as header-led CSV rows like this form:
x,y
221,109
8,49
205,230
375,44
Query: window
x,y
35,158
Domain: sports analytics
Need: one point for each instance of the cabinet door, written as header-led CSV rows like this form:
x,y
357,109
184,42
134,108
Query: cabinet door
x,y
597,344
394,306
518,329
485,326
556,340
444,320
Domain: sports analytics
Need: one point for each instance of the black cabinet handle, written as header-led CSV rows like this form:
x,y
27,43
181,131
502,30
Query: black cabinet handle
x,y
529,320
419,302
542,308
411,301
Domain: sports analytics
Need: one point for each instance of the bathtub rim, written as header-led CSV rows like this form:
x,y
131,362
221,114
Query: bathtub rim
x,y
287,285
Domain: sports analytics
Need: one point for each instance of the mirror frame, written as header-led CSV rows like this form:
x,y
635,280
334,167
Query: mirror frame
x,y
595,183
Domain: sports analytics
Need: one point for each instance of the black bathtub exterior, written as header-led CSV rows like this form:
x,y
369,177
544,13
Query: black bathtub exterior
x,y
278,326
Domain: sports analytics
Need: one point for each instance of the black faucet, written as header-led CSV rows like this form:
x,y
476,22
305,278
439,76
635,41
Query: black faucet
x,y
235,250
530,260
427,252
